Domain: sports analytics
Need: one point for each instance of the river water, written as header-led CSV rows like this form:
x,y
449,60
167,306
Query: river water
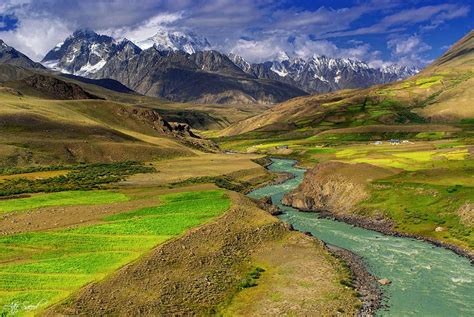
x,y
426,280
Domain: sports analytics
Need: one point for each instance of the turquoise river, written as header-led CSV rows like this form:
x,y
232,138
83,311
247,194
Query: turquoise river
x,y
426,280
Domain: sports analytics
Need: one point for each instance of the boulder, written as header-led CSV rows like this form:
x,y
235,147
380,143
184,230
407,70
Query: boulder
x,y
384,281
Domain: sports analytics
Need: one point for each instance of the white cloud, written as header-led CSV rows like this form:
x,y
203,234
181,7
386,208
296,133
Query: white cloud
x,y
435,14
147,29
259,51
303,47
34,36
412,44
409,50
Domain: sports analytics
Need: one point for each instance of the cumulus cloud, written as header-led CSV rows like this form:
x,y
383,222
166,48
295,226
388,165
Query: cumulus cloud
x,y
36,35
409,50
147,29
302,47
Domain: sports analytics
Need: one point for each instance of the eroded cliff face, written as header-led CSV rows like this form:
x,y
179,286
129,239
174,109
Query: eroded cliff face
x,y
328,188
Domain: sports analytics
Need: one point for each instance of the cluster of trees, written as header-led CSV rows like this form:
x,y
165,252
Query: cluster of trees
x,y
80,177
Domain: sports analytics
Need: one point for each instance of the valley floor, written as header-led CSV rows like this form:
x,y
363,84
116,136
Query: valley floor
x,y
164,241
421,183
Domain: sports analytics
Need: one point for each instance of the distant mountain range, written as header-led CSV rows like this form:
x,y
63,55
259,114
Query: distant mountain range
x,y
180,66
323,74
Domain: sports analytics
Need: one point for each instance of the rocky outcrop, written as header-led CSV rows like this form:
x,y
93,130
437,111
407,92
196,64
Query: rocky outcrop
x,y
57,89
266,204
326,189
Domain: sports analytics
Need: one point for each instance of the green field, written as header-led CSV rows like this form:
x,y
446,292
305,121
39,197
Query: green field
x,y
420,208
38,269
68,198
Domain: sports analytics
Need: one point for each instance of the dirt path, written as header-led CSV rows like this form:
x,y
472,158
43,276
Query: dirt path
x,y
199,273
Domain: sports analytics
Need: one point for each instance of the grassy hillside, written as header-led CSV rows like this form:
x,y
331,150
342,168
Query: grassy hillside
x,y
441,93
50,119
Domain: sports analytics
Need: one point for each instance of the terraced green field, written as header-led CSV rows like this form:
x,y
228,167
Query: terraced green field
x,y
67,198
38,269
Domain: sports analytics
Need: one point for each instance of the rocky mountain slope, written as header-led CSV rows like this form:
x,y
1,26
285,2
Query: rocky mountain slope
x,y
10,56
208,77
51,88
49,119
86,52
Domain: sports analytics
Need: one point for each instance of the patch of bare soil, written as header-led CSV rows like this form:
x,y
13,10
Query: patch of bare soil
x,y
65,216
198,272
466,213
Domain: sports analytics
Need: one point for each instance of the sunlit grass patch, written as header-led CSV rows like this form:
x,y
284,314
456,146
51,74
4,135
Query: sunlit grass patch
x,y
430,135
205,202
21,282
169,224
67,198
321,150
385,162
351,152
427,82
421,208
420,156
61,241
335,103
18,302
449,145
79,263
461,154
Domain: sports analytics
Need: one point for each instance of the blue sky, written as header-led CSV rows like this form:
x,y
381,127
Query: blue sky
x,y
410,32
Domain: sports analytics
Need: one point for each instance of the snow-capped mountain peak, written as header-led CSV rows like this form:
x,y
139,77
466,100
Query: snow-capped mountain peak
x,y
3,44
165,40
281,56
240,62
84,52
